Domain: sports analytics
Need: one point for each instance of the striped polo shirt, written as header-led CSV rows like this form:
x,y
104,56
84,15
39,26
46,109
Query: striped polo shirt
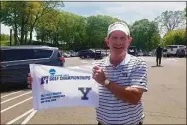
x,y
132,71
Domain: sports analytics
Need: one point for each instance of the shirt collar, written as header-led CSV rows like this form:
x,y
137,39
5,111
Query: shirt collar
x,y
123,62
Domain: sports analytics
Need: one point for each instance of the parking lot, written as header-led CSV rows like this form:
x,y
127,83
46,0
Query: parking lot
x,y
164,103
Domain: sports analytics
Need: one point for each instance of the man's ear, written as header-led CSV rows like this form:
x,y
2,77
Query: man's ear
x,y
107,41
130,39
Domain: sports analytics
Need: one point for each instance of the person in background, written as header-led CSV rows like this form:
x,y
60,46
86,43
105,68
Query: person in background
x,y
158,55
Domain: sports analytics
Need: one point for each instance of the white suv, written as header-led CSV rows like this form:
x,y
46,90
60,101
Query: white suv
x,y
176,50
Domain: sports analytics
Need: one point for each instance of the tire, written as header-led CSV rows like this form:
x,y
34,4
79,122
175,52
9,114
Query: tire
x,y
181,54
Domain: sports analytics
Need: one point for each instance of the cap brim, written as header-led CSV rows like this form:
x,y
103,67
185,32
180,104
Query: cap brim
x,y
119,29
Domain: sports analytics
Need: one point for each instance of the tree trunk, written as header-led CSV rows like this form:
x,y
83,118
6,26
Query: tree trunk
x,y
22,29
43,34
15,29
15,36
26,34
42,37
23,23
30,40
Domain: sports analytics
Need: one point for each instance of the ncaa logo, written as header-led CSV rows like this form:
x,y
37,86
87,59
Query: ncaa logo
x,y
52,71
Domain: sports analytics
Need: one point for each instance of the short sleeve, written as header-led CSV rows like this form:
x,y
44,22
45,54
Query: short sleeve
x,y
138,76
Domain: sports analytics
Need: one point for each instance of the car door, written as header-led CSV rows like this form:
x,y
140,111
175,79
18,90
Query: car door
x,y
15,65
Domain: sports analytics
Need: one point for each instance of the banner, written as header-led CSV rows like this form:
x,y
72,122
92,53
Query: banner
x,y
54,86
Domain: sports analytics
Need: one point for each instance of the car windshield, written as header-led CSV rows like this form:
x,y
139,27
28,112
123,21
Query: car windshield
x,y
131,49
171,47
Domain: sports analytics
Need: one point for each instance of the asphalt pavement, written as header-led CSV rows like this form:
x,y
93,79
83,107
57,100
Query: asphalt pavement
x,y
164,103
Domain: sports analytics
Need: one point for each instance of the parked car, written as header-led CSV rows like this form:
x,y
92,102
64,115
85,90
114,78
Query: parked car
x,y
164,52
176,50
72,53
90,53
149,53
66,54
140,53
153,52
181,52
132,50
15,61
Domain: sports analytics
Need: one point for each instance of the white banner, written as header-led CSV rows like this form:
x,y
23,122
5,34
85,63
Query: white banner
x,y
63,87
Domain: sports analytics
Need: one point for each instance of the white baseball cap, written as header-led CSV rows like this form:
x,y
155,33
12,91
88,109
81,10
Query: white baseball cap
x,y
121,26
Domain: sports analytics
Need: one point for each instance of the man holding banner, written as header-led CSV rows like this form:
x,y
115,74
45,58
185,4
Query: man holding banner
x,y
122,79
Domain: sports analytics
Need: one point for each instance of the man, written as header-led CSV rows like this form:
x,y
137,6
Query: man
x,y
158,55
122,79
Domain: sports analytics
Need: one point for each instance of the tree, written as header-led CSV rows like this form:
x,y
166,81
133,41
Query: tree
x,y
97,27
76,31
39,9
23,15
63,27
145,34
170,20
10,16
46,26
175,37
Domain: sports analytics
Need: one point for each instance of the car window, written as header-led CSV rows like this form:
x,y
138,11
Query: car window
x,y
85,51
172,47
181,46
59,55
40,53
131,49
91,51
16,54
88,51
81,51
164,50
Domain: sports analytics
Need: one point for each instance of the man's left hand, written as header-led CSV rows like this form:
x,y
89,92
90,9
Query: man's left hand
x,y
98,75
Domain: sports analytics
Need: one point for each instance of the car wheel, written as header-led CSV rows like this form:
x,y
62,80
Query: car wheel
x,y
182,53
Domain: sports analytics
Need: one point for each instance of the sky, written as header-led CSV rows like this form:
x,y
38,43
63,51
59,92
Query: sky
x,y
127,11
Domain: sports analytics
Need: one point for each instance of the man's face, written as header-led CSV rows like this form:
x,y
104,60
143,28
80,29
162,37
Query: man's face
x,y
118,42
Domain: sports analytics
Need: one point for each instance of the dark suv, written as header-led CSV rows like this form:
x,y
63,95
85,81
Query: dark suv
x,y
89,53
15,61
132,50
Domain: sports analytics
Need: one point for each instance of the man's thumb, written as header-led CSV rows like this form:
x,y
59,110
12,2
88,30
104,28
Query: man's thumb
x,y
96,67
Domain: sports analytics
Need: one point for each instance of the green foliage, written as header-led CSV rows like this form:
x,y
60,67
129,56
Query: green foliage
x,y
4,37
97,29
175,37
70,31
22,16
5,40
145,34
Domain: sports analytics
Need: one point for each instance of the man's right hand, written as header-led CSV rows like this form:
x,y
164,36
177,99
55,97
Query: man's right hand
x,y
29,80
